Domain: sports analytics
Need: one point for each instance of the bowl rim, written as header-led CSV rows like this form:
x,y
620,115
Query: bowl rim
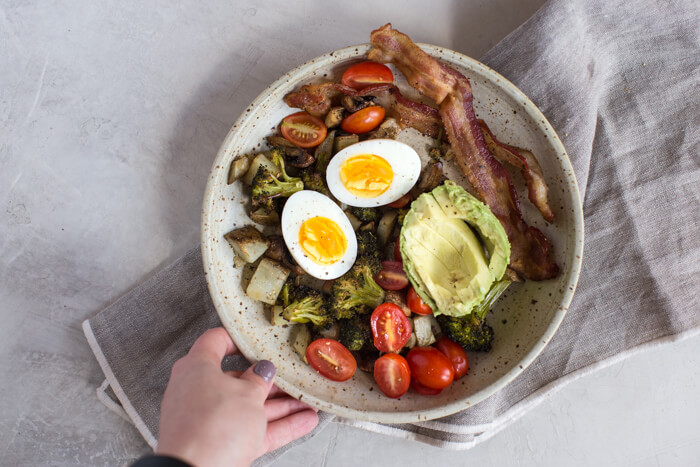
x,y
208,245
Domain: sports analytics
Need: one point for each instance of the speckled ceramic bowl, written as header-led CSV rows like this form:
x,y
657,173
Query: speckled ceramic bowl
x,y
524,320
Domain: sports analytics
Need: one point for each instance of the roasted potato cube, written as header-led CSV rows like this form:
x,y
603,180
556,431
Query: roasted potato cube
x,y
301,338
267,281
342,142
259,160
388,129
247,243
239,167
423,331
412,341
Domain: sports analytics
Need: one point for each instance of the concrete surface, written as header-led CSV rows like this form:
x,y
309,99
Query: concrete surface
x,y
110,115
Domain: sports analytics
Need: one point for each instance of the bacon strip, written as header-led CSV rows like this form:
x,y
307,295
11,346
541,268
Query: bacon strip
x,y
413,114
530,255
529,167
316,98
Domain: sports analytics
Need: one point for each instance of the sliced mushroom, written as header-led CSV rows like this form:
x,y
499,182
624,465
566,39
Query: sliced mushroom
x,y
365,360
277,248
353,104
334,117
297,157
431,177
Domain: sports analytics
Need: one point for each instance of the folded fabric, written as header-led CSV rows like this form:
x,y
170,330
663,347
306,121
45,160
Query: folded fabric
x,y
618,81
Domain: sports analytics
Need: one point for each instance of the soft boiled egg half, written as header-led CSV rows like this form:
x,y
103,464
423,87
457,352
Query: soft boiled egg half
x,y
373,173
318,234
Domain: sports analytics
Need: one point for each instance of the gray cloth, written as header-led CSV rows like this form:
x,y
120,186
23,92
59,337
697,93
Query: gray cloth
x,y
618,80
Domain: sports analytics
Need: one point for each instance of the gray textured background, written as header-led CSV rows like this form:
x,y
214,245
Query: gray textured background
x,y
110,116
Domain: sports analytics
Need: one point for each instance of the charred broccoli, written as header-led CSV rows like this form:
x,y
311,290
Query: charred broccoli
x,y
266,187
355,332
471,332
365,214
303,305
356,292
402,214
367,244
314,181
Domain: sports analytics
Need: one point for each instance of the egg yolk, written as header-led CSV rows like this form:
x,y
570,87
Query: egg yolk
x,y
366,175
322,240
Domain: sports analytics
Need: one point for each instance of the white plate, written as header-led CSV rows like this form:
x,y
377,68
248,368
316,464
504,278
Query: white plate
x,y
524,320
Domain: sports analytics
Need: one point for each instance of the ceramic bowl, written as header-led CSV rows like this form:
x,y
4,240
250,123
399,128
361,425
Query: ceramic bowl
x,y
524,320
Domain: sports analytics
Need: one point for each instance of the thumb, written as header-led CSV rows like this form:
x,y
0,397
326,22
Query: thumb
x,y
261,374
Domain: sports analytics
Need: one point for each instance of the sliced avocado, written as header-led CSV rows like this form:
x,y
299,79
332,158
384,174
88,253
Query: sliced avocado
x,y
443,258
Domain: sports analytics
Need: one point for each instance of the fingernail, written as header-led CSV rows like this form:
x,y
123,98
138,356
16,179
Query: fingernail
x,y
265,369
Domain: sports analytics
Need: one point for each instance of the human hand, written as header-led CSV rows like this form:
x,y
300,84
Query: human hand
x,y
210,417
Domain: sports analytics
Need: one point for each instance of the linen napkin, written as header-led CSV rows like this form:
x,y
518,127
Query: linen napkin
x,y
618,80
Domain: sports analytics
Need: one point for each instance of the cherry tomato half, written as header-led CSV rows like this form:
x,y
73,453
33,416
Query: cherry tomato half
x,y
397,250
424,390
330,358
303,130
416,304
365,74
392,276
401,202
392,375
363,120
390,328
455,353
430,367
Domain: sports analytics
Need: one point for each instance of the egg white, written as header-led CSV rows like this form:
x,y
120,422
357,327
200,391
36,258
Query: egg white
x,y
404,161
304,205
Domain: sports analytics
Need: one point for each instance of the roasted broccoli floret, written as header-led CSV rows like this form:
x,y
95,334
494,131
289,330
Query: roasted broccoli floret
x,y
471,332
303,305
266,187
365,214
314,181
367,244
355,332
356,292
402,214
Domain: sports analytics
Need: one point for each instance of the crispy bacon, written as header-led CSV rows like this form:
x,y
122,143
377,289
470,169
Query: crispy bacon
x,y
416,115
316,98
530,255
529,167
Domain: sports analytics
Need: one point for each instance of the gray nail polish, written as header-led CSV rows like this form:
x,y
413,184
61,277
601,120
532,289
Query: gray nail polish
x,y
265,369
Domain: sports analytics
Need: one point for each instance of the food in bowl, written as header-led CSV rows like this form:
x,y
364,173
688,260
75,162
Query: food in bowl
x,y
445,252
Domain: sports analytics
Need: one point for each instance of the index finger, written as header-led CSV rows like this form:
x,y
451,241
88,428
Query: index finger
x,y
214,345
